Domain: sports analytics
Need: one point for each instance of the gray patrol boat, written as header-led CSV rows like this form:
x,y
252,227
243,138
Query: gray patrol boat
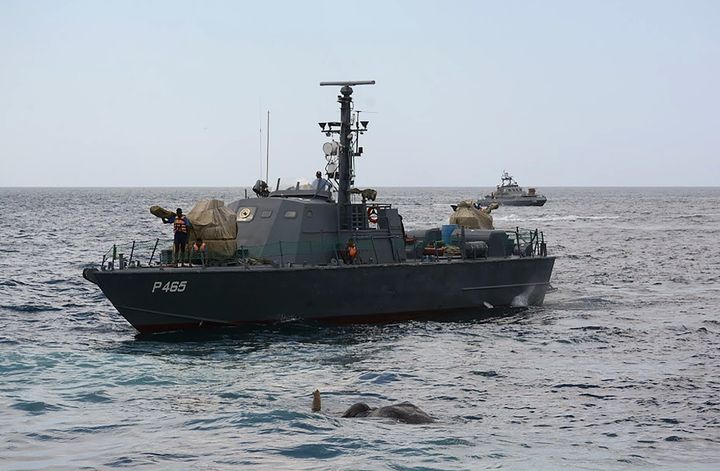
x,y
509,193
329,254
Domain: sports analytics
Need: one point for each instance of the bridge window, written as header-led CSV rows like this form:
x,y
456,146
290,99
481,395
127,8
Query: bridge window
x,y
266,213
291,214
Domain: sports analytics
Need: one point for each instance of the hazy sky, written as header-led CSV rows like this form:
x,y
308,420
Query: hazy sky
x,y
151,93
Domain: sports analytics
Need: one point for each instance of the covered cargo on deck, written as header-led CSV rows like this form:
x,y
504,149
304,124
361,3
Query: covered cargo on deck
x,y
216,225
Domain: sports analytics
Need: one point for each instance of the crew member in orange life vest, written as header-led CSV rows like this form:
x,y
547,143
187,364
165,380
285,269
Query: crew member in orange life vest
x,y
352,251
181,224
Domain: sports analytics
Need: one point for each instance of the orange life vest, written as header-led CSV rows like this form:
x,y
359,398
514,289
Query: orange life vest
x,y
179,225
352,251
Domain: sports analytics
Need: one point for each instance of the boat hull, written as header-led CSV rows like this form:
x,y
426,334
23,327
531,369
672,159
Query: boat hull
x,y
352,293
524,201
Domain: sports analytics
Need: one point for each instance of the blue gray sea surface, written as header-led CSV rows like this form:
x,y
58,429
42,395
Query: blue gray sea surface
x,y
620,369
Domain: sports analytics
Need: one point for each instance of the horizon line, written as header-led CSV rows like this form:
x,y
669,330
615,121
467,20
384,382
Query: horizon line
x,y
379,186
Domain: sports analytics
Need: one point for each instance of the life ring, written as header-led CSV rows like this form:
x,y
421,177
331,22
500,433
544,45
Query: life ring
x,y
372,214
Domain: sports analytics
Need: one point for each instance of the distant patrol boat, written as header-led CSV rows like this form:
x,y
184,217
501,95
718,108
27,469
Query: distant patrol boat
x,y
324,254
509,193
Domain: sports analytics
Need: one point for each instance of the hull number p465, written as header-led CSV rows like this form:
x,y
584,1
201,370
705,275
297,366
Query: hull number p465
x,y
169,286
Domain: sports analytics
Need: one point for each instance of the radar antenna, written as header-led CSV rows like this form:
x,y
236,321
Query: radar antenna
x,y
350,83
346,152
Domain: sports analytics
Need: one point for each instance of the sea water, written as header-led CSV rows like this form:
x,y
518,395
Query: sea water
x,y
620,369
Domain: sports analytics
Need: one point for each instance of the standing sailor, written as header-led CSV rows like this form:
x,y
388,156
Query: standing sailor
x,y
181,224
320,184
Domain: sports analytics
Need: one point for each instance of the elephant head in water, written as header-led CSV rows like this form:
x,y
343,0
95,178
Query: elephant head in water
x,y
403,412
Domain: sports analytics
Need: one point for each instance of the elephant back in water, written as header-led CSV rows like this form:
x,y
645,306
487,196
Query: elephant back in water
x,y
403,412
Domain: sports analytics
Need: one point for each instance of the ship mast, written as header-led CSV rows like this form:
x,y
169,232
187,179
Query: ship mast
x,y
346,147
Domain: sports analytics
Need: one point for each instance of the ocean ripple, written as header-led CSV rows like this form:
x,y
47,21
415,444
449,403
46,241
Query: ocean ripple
x,y
618,370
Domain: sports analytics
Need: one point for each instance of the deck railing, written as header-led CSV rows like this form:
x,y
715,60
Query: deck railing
x,y
527,242
159,252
